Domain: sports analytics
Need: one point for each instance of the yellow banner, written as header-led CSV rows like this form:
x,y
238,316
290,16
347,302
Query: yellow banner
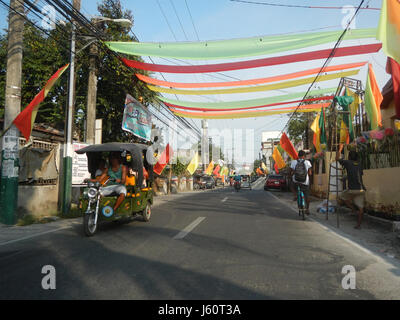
x,y
194,164
278,159
275,86
210,168
316,129
205,115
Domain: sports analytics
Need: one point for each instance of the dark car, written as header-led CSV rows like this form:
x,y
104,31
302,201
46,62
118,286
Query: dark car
x,y
208,182
275,182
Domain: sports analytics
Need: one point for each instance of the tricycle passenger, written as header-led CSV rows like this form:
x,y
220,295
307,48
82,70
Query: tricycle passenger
x,y
117,174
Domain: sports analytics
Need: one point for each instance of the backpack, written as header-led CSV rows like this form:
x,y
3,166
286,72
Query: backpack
x,y
300,172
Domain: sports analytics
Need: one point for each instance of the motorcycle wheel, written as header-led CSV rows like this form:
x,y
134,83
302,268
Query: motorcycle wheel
x,y
146,213
88,224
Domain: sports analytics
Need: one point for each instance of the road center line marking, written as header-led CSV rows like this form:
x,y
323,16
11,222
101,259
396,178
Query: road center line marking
x,y
189,228
224,200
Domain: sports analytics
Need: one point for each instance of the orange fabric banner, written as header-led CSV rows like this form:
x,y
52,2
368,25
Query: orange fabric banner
x,y
247,82
26,119
287,145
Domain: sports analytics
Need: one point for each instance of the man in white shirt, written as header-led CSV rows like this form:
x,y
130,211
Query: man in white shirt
x,y
301,171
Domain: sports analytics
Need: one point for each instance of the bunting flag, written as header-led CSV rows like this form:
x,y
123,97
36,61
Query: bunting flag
x,y
316,139
235,48
265,62
224,171
194,164
287,145
275,86
264,167
276,168
345,102
246,103
344,133
276,155
289,76
389,28
256,107
373,100
216,170
210,168
247,114
394,70
165,157
322,136
355,104
26,119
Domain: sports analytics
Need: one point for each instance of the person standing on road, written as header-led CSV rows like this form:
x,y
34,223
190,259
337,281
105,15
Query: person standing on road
x,y
301,171
354,194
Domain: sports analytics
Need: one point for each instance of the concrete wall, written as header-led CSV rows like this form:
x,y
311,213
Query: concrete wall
x,y
38,200
383,189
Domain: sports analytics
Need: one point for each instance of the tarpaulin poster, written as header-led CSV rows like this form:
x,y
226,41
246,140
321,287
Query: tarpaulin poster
x,y
137,119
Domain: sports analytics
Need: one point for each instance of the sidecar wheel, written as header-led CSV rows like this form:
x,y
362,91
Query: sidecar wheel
x,y
88,225
146,213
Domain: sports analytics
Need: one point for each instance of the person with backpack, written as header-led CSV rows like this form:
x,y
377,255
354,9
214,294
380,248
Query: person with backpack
x,y
354,194
301,171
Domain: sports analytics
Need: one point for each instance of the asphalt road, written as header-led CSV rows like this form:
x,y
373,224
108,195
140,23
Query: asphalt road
x,y
206,245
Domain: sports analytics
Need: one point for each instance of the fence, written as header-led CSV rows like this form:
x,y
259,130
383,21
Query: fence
x,y
380,155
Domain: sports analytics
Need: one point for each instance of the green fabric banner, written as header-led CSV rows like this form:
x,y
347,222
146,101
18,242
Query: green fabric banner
x,y
236,48
247,103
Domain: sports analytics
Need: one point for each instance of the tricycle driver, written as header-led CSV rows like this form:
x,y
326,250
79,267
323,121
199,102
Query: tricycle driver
x,y
117,177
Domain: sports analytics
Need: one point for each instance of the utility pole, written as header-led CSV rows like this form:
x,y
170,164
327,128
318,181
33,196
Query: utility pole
x,y
68,150
10,143
204,143
92,94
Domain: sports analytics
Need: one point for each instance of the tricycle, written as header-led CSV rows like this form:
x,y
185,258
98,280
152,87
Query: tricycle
x,y
121,189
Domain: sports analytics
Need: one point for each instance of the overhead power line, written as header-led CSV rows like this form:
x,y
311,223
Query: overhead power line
x,y
298,6
327,61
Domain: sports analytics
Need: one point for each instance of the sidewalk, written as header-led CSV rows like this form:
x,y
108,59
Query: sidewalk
x,y
373,233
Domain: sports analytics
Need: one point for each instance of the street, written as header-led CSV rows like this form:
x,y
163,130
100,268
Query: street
x,y
216,244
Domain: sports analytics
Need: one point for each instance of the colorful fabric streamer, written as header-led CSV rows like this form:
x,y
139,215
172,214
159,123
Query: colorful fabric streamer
x,y
389,28
298,57
289,76
235,48
287,145
247,114
248,108
26,119
275,86
373,100
246,103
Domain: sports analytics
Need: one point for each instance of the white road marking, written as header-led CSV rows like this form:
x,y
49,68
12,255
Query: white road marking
x,y
224,200
342,236
189,228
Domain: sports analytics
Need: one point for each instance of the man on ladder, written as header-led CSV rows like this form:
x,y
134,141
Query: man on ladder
x,y
354,194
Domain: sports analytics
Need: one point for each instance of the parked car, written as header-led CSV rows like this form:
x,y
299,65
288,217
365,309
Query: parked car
x,y
209,182
198,183
275,182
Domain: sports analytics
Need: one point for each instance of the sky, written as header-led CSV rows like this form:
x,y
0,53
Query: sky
x,y
224,19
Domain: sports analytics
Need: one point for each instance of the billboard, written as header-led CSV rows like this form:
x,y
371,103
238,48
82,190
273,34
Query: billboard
x,y
137,119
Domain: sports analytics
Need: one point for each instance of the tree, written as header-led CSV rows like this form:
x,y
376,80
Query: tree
x,y
45,53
